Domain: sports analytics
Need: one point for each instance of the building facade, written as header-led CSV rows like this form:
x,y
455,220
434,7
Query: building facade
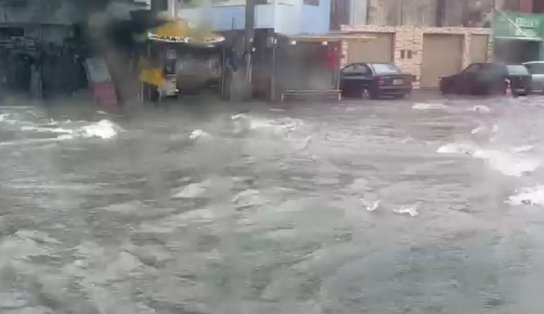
x,y
286,17
419,35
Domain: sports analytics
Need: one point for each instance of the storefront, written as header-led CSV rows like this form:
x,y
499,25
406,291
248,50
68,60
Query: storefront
x,y
179,58
308,66
518,37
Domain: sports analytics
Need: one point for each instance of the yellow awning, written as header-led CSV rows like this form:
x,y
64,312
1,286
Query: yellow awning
x,y
179,31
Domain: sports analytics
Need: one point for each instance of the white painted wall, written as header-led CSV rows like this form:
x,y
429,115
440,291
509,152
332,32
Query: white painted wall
x,y
359,12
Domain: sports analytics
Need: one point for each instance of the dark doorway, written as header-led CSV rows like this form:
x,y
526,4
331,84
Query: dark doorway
x,y
517,51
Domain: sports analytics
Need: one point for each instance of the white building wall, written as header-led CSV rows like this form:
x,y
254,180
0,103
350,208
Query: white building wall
x,y
358,12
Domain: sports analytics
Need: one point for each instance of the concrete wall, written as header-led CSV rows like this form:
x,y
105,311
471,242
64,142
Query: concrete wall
x,y
358,12
411,38
285,17
472,13
232,17
288,18
316,19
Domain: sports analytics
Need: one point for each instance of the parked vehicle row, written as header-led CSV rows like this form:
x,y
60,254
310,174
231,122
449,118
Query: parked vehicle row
x,y
374,80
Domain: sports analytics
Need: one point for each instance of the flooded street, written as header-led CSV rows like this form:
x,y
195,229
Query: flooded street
x,y
432,206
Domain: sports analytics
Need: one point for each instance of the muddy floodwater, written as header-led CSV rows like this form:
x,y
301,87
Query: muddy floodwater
x,y
379,207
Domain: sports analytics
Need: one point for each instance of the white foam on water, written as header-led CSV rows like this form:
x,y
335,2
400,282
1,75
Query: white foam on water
x,y
193,190
371,206
247,198
510,162
34,141
465,148
410,211
304,144
478,130
198,133
429,106
522,149
480,109
528,196
103,129
507,163
45,129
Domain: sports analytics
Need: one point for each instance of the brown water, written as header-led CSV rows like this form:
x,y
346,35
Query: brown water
x,y
358,207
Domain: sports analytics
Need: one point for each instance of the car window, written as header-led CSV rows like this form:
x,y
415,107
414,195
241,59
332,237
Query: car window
x,y
493,69
356,69
517,69
535,68
473,68
385,68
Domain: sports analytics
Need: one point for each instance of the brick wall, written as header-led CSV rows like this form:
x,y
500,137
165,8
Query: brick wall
x,y
411,38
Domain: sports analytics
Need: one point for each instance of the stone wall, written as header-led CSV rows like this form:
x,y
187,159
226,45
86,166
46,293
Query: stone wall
x,y
411,38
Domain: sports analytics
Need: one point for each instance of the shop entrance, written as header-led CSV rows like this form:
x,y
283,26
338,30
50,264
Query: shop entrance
x,y
517,50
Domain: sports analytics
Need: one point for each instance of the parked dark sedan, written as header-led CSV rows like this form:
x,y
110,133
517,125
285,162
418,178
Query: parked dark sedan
x,y
374,80
536,68
488,79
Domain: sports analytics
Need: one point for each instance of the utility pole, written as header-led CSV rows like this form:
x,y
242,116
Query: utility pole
x,y
248,40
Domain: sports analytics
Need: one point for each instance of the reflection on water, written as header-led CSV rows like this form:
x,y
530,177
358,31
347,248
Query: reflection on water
x,y
374,207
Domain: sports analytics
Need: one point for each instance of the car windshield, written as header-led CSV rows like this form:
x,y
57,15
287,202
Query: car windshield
x,y
517,69
385,68
535,68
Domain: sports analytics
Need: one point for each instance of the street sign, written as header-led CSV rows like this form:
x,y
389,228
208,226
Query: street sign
x,y
510,25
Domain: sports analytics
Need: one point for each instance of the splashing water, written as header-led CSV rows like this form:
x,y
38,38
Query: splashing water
x,y
410,211
528,196
429,106
198,133
103,129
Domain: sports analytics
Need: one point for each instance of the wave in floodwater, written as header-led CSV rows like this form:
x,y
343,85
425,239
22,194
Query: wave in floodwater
x,y
59,130
307,210
510,163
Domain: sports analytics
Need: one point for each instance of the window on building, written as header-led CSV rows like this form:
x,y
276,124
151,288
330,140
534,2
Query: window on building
x,y
311,2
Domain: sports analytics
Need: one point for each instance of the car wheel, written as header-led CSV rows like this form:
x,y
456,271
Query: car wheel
x,y
365,94
444,88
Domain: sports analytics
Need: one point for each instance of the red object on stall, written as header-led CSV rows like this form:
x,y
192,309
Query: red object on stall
x,y
106,96
102,84
332,58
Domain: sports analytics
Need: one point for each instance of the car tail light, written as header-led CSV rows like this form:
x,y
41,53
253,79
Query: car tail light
x,y
381,81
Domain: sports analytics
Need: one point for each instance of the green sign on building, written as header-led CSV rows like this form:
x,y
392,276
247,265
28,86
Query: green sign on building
x,y
509,25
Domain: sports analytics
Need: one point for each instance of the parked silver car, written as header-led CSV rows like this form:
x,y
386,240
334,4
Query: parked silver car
x,y
536,68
